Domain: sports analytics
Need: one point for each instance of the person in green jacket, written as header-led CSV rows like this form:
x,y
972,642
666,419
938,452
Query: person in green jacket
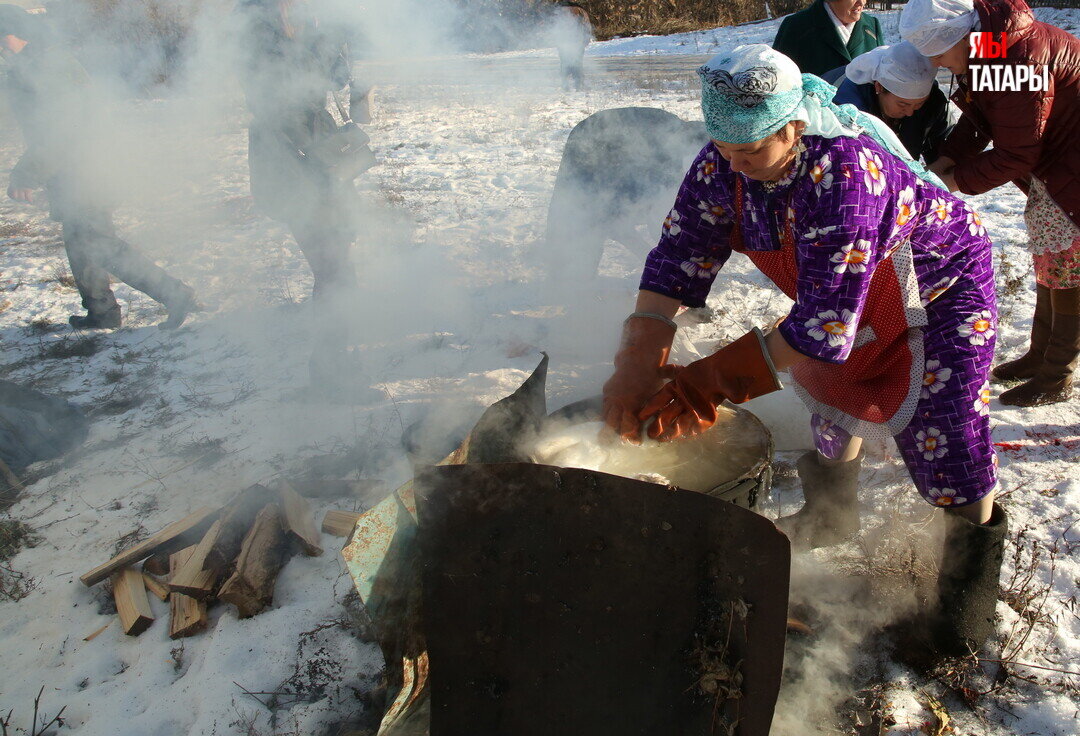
x,y
828,34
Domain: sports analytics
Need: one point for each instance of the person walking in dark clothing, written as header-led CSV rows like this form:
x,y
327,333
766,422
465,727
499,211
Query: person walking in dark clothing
x,y
828,34
571,31
304,150
61,118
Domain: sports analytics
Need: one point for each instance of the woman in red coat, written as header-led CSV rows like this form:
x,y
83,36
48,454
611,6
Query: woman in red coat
x,y
1034,132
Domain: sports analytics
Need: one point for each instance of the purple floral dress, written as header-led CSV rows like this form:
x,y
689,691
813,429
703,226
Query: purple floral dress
x,y
893,285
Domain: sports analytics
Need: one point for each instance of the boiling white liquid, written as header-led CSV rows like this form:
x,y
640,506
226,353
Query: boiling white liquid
x,y
730,449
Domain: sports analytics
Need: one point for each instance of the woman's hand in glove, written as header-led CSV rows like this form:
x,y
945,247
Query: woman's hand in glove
x,y
639,374
687,405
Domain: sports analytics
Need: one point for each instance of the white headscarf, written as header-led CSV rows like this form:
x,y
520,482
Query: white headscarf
x,y
935,26
901,69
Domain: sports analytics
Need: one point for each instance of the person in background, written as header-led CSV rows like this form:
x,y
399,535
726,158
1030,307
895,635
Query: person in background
x,y
896,84
828,34
571,32
891,332
296,79
1034,135
63,124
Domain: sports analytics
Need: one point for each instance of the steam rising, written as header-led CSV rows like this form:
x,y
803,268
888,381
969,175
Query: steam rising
x,y
172,146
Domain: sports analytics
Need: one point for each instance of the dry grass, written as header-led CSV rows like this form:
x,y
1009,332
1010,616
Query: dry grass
x,y
14,535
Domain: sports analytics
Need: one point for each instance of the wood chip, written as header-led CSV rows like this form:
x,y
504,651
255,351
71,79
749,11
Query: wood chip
x,y
175,535
94,635
131,603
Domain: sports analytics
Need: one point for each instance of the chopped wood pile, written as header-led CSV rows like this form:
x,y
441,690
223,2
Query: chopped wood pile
x,y
232,554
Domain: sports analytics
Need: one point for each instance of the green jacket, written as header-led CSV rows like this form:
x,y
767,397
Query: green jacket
x,y
811,40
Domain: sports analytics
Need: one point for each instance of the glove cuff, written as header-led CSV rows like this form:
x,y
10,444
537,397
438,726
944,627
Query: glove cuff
x,y
748,367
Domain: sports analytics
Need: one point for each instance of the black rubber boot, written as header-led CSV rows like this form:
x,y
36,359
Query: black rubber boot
x,y
831,512
96,320
968,583
1028,364
1054,380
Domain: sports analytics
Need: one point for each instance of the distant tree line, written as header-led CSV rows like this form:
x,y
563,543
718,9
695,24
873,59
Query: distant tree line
x,y
635,17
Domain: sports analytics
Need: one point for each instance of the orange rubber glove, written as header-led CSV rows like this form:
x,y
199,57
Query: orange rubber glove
x,y
640,368
687,405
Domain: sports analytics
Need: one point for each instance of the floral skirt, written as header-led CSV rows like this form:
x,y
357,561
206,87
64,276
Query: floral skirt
x,y
1058,270
1054,240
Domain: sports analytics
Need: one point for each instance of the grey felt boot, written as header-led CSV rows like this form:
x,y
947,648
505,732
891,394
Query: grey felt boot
x,y
831,512
968,582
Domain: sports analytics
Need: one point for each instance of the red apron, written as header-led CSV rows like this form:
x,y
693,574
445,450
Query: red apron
x,y
880,381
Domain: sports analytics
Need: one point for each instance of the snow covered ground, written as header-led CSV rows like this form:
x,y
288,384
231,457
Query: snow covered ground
x,y
452,317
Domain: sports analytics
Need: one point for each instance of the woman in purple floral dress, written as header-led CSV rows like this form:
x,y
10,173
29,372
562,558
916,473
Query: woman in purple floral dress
x,y
891,332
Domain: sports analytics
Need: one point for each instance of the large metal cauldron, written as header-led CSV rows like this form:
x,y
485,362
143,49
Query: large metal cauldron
x,y
749,482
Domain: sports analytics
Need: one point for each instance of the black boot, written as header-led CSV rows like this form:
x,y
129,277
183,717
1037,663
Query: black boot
x,y
831,512
1054,379
1028,364
968,583
96,320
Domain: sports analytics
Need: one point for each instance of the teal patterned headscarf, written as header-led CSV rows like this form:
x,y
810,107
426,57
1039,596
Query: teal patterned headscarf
x,y
753,91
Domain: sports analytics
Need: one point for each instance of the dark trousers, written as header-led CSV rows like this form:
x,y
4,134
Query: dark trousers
x,y
94,251
325,238
572,67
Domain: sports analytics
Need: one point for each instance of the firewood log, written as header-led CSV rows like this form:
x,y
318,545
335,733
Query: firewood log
x,y
340,523
174,536
131,602
187,615
298,520
236,520
262,555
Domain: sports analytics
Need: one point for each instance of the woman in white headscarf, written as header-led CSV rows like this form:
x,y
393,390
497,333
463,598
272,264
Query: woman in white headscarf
x,y
1034,133
891,332
896,84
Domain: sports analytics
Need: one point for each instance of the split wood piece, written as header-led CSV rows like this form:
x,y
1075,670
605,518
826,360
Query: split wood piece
x,y
189,577
178,534
298,520
187,615
131,602
157,564
340,523
155,586
220,547
262,555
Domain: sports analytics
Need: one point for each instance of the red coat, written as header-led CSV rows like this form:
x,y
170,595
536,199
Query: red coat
x,y
1034,133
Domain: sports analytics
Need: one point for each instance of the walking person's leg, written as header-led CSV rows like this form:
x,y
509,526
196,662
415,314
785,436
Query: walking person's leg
x,y
92,281
325,240
131,266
